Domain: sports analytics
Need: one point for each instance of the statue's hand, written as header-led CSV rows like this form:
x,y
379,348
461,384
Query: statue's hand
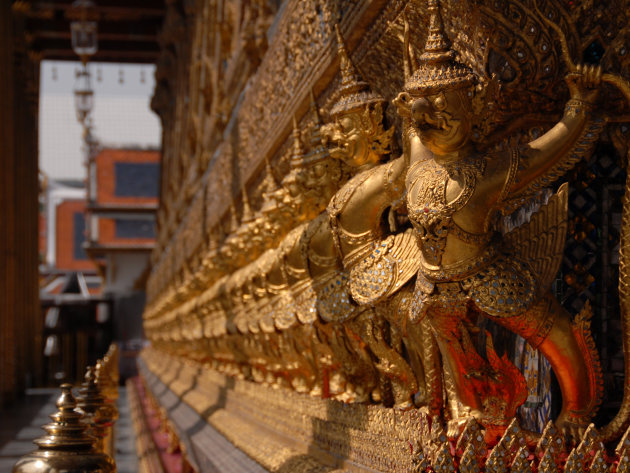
x,y
585,82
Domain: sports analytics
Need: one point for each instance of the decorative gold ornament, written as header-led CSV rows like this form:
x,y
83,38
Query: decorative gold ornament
x,y
66,447
368,278
467,268
437,68
104,380
109,390
97,414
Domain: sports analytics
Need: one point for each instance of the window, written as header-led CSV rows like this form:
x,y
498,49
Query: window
x,y
134,228
79,236
136,179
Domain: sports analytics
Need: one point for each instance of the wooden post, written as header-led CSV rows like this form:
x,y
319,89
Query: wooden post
x,y
20,321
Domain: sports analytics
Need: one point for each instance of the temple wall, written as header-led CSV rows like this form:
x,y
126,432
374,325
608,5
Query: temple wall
x,y
251,338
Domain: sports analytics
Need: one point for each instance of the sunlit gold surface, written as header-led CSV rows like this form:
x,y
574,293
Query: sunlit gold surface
x,y
66,447
467,268
105,372
97,413
345,437
314,239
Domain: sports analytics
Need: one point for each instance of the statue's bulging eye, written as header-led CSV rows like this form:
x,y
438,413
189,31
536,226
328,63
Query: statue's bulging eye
x,y
439,103
319,170
347,125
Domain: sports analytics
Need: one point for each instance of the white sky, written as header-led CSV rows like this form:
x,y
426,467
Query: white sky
x,y
121,115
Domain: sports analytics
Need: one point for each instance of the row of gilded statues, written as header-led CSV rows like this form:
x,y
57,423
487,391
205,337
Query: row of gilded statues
x,y
381,297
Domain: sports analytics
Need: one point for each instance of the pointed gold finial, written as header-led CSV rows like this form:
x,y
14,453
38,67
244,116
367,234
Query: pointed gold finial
x,y
296,130
97,413
349,75
437,69
354,92
437,44
105,383
66,428
406,60
247,215
269,184
233,219
297,156
66,447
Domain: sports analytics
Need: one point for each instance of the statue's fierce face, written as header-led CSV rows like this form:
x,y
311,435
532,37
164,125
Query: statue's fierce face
x,y
347,140
443,120
358,137
344,141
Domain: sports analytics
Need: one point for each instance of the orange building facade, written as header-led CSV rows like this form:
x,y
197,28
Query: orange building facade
x,y
70,235
123,197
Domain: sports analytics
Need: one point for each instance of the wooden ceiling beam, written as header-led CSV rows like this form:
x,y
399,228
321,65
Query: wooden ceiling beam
x,y
131,57
132,9
143,30
127,29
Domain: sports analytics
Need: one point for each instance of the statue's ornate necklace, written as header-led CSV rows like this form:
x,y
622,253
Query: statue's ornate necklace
x,y
431,214
337,204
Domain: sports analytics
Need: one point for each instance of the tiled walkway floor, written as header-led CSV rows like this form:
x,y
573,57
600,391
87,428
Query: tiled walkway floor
x,y
126,459
21,423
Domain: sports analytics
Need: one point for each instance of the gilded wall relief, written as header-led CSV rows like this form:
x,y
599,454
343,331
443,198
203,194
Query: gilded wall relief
x,y
385,246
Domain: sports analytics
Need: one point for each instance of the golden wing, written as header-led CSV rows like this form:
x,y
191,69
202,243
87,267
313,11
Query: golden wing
x,y
386,269
540,242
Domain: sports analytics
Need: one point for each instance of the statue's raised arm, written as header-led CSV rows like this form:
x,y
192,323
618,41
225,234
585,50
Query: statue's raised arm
x,y
470,270
545,159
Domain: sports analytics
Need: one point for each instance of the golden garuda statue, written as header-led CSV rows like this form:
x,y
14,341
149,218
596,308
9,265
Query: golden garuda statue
x,y
371,276
468,268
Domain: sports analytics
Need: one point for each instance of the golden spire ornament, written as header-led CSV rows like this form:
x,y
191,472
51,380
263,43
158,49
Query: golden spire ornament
x,y
354,92
438,69
248,215
298,153
110,390
66,447
233,219
105,382
316,140
97,413
316,150
269,182
349,75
